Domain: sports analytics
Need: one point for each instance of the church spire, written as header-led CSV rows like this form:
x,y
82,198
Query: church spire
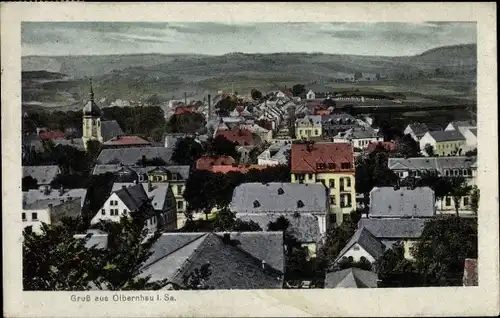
x,y
91,91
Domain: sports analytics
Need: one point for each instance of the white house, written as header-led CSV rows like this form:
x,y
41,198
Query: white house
x,y
461,126
416,130
363,244
125,202
471,138
276,154
310,95
444,143
358,137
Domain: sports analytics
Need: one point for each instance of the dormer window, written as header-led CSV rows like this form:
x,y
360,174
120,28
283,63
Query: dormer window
x,y
280,191
256,204
345,165
331,166
300,204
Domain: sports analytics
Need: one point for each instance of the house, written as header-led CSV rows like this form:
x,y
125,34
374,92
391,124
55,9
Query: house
x,y
362,244
237,260
470,277
241,137
358,137
206,163
470,139
444,143
97,238
76,143
310,95
264,134
162,200
386,145
461,126
50,206
128,201
304,205
284,93
125,142
93,127
307,127
133,155
244,154
44,175
442,166
176,176
334,124
331,164
416,130
389,202
51,135
123,173
391,230
320,91
276,154
351,278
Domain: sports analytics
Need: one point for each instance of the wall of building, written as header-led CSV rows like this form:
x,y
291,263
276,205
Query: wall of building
x,y
356,252
448,148
42,215
447,206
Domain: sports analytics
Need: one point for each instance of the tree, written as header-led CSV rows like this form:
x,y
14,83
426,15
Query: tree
x,y
154,100
442,248
336,239
474,199
220,146
394,270
298,89
187,151
358,75
429,150
471,153
329,102
407,147
29,183
188,123
459,189
158,133
256,95
377,76
225,220
156,161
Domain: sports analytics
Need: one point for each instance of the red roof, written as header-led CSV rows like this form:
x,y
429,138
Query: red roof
x,y
322,157
321,112
388,146
184,109
233,168
206,163
52,134
242,137
127,140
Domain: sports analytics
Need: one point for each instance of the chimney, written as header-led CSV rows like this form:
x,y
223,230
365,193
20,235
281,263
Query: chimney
x,y
185,98
263,265
226,238
61,190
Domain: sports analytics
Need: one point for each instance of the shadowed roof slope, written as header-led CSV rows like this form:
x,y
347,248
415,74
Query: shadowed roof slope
x,y
351,278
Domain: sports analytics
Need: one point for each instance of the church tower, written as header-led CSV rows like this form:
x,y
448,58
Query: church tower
x,y
91,120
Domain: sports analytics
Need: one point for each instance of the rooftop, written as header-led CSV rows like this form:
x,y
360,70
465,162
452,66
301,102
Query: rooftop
x,y
126,140
446,135
367,241
322,157
279,197
393,229
403,202
157,195
432,163
206,163
351,278
130,156
43,174
239,136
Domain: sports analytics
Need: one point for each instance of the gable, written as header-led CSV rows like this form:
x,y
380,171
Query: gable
x,y
357,251
398,166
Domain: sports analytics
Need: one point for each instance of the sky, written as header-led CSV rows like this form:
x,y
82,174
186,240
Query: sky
x,y
102,38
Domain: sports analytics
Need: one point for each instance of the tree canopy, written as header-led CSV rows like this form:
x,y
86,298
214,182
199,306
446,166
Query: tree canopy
x,y
221,146
187,151
189,122
298,89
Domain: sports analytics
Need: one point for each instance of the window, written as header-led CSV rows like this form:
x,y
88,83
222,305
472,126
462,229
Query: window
x,y
180,205
111,202
34,216
310,176
320,166
466,201
23,216
332,183
316,132
332,200
331,166
124,211
448,201
300,204
179,189
174,177
465,172
280,191
347,182
356,248
447,172
345,165
256,204
455,172
103,211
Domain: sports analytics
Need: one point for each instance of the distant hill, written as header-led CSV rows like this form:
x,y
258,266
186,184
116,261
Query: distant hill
x,y
136,77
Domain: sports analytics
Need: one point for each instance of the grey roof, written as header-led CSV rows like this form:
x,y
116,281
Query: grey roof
x,y
134,197
360,133
446,135
234,266
432,163
419,129
313,197
464,123
75,142
52,202
367,241
110,129
157,195
351,278
102,169
182,171
336,119
304,227
97,240
386,228
43,174
33,196
318,88
129,156
91,108
280,156
171,139
403,202
473,131
315,120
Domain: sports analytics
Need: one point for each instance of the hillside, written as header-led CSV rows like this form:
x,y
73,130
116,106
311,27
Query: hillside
x,y
136,77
